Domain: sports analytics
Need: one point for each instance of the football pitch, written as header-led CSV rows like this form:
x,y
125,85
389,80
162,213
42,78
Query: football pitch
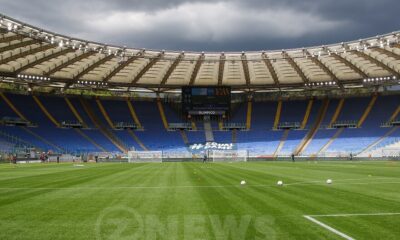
x,y
201,201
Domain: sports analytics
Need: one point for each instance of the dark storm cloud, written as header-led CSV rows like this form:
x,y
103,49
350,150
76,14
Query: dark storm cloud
x,y
209,24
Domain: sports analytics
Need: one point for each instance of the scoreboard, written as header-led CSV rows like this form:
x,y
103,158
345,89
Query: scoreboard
x,y
206,100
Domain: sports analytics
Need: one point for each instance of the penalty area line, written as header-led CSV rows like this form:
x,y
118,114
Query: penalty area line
x,y
355,214
337,232
329,228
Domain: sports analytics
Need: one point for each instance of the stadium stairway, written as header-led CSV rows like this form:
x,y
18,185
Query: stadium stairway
x,y
215,125
76,103
73,141
220,124
310,135
133,114
168,114
393,138
337,133
184,137
44,110
282,142
260,140
31,110
194,126
127,139
57,108
92,144
234,136
395,114
324,133
337,112
155,137
386,138
367,111
75,112
389,149
346,110
368,114
278,114
5,110
162,113
138,141
292,142
123,111
307,114
331,140
322,136
368,150
294,111
26,134
12,106
89,139
248,114
106,132
208,129
105,114
42,139
97,136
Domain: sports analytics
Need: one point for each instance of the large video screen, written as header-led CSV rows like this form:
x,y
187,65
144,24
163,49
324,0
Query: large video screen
x,y
200,99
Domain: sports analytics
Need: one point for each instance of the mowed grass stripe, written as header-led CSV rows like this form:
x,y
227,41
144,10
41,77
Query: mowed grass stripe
x,y
58,178
256,202
39,185
283,200
180,190
359,227
299,171
359,192
318,196
83,206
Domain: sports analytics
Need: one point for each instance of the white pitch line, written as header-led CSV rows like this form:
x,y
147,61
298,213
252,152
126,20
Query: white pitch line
x,y
327,227
354,214
337,232
305,183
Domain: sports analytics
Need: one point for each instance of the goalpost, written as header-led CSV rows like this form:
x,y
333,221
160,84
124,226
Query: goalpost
x,y
145,156
228,155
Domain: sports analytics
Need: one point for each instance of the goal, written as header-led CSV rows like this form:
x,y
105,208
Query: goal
x,y
228,155
144,156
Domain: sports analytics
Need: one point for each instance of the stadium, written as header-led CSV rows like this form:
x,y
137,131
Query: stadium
x,y
108,142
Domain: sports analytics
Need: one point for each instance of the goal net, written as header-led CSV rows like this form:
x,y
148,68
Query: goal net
x,y
144,156
228,155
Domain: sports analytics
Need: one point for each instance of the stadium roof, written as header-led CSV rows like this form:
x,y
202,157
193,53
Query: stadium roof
x,y
36,56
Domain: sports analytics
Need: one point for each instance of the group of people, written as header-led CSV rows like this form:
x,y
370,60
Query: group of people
x,y
44,157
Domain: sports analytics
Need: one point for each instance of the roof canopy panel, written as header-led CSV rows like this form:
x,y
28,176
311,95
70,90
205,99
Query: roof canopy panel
x,y
27,52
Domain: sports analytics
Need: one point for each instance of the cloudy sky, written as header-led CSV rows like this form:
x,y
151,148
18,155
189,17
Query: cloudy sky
x,y
210,25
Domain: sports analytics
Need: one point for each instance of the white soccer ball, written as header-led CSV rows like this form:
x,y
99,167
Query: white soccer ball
x,y
243,182
329,181
279,183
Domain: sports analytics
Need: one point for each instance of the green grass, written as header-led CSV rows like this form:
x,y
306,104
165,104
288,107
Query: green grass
x,y
198,201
